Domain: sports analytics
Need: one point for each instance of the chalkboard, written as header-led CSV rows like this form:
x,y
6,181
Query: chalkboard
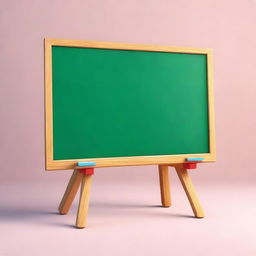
x,y
113,103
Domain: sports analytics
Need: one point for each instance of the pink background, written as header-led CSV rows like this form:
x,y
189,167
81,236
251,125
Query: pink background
x,y
228,27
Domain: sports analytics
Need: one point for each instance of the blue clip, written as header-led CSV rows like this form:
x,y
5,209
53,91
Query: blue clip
x,y
86,164
195,159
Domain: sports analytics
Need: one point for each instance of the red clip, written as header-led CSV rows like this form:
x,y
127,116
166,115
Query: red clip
x,y
87,171
191,165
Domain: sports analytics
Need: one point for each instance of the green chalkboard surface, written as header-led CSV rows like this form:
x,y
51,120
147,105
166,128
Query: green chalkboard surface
x,y
121,103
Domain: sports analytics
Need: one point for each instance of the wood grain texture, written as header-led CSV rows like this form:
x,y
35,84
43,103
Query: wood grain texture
x,y
124,46
126,161
211,104
70,192
84,201
164,185
52,164
48,102
190,192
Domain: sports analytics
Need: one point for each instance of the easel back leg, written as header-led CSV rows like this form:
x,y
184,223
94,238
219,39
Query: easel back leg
x,y
164,185
70,192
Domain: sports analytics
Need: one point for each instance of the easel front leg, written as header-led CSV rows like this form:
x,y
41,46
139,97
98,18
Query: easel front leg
x,y
164,185
70,192
84,201
190,192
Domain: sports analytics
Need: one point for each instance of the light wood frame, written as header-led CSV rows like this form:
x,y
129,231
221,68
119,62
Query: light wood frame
x,y
52,164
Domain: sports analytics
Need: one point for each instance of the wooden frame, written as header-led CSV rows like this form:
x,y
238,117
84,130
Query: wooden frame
x,y
52,164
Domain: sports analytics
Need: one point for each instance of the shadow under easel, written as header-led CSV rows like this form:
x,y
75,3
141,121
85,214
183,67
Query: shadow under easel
x,y
118,206
30,215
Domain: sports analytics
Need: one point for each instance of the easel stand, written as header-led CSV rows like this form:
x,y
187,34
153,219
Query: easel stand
x,y
83,176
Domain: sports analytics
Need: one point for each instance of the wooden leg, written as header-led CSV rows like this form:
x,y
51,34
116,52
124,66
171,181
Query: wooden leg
x,y
164,185
84,201
190,192
70,192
